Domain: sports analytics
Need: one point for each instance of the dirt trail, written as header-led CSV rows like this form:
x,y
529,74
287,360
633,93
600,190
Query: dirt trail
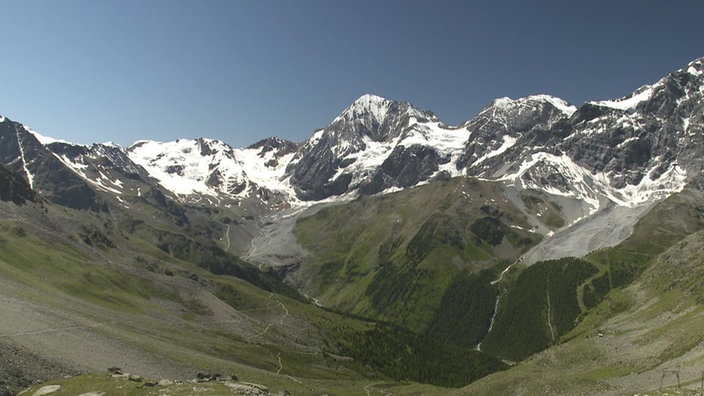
x,y
281,365
49,330
270,324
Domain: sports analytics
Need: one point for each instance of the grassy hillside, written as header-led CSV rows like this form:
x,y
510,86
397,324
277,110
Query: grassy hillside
x,y
546,300
466,309
641,317
394,257
86,293
537,308
152,290
628,341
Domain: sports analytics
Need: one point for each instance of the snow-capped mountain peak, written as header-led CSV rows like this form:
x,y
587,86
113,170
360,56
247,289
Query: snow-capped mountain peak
x,y
377,118
187,167
368,105
560,104
213,168
506,104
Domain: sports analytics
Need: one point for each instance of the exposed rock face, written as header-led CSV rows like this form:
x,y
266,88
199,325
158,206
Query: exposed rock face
x,y
14,188
279,147
645,134
321,167
22,153
647,141
405,167
508,126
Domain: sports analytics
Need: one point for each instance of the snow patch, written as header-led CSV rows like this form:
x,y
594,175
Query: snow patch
x,y
101,182
592,187
694,71
266,170
30,177
558,103
316,137
626,141
627,103
179,166
46,139
685,124
580,178
508,142
671,181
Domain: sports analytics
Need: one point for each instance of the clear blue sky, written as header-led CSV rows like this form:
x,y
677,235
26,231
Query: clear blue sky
x,y
94,71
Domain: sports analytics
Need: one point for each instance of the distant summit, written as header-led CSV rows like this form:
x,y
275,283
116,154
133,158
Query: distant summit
x,y
627,151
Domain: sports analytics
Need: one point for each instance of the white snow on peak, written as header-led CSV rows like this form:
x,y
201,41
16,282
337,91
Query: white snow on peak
x,y
696,68
2,118
46,139
265,169
374,105
181,168
371,98
111,144
630,102
186,167
590,187
558,103
503,102
317,135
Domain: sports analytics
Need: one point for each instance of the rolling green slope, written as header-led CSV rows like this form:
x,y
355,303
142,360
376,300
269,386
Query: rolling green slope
x,y
537,308
394,257
150,289
155,283
642,316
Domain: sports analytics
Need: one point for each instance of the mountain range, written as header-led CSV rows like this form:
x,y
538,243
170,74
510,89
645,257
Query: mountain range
x,y
386,217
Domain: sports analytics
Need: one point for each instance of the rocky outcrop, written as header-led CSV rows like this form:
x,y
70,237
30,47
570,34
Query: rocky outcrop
x,y
22,153
14,187
321,166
